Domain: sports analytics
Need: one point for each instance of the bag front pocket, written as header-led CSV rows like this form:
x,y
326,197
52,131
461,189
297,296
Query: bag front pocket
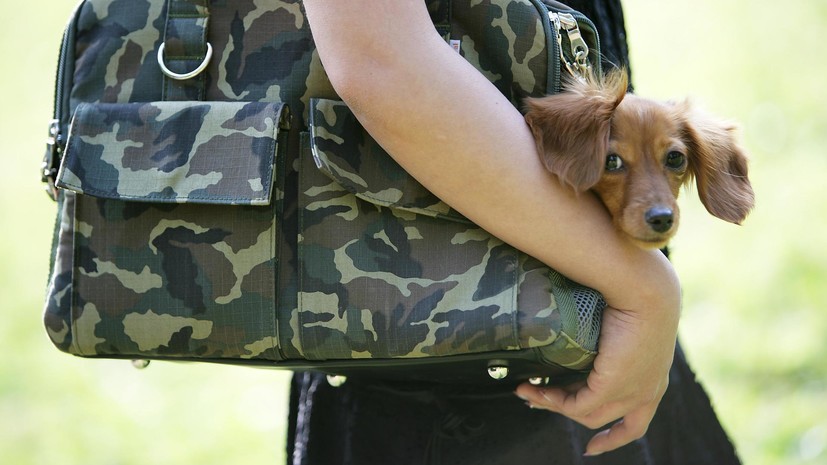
x,y
167,244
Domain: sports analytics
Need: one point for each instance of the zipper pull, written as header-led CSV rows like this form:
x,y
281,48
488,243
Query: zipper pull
x,y
51,160
579,67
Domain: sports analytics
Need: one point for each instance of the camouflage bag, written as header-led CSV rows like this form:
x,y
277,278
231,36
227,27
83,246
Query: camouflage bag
x,y
217,202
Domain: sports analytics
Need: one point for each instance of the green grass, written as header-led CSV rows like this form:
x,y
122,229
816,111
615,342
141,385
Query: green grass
x,y
754,323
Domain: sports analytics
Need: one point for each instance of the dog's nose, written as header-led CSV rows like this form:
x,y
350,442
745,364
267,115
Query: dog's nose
x,y
660,219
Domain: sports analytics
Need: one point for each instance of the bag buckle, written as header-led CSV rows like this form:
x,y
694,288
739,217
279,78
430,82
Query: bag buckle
x,y
51,160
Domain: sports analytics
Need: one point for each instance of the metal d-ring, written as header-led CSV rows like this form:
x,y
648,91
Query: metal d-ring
x,y
185,76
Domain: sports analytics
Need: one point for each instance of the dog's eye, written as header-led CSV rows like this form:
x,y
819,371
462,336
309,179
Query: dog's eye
x,y
675,160
613,162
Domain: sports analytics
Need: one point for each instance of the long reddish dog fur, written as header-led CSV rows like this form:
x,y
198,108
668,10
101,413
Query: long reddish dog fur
x,y
636,154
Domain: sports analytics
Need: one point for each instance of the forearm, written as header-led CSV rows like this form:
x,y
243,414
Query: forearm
x,y
457,134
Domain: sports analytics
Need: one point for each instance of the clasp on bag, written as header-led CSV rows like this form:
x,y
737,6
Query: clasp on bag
x,y
51,160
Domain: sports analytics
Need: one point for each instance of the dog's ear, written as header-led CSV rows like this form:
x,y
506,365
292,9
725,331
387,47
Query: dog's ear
x,y
718,163
572,128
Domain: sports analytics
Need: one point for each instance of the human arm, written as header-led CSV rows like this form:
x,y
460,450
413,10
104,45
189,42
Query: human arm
x,y
461,138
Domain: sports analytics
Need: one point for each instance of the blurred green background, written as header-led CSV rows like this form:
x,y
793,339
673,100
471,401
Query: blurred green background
x,y
754,324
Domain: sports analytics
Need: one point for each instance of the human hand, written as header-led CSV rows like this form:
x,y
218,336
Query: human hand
x,y
630,376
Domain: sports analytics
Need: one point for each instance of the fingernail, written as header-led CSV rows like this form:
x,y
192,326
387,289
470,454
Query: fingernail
x,y
520,396
591,454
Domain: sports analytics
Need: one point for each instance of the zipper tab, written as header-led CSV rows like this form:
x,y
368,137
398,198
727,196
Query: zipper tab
x,y
579,66
51,160
56,141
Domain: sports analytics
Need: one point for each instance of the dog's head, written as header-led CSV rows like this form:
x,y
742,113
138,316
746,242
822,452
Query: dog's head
x,y
636,153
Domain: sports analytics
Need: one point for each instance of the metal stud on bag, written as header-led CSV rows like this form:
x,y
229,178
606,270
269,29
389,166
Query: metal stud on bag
x,y
140,363
498,369
336,380
538,381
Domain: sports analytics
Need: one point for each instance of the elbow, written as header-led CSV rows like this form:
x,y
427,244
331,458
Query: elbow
x,y
355,71
341,72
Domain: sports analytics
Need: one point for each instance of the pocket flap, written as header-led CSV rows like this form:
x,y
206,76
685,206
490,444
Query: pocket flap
x,y
346,153
174,152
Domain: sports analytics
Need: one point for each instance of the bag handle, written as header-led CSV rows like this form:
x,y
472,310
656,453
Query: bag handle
x,y
185,52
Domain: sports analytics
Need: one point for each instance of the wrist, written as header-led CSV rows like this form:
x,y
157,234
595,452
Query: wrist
x,y
649,289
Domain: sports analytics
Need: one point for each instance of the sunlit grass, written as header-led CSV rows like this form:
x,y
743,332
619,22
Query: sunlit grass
x,y
754,321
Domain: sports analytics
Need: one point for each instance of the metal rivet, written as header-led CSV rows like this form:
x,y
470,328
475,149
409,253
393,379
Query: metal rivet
x,y
336,380
498,372
538,381
140,364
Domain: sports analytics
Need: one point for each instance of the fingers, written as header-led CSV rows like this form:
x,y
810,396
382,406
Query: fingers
x,y
627,382
594,410
631,428
584,406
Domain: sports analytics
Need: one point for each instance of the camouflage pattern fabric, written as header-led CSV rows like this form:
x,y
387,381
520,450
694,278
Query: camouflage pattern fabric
x,y
186,280
178,152
264,51
444,286
138,276
210,230
361,166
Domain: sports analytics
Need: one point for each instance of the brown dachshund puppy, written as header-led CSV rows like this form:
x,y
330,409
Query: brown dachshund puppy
x,y
636,153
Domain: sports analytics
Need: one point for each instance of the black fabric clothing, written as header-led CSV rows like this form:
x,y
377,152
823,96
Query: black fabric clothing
x,y
399,424
366,423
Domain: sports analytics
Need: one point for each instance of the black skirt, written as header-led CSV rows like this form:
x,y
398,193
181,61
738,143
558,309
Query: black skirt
x,y
374,422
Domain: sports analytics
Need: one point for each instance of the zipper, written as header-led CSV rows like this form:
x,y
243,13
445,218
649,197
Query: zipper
x,y
585,23
565,22
577,62
554,54
56,140
48,168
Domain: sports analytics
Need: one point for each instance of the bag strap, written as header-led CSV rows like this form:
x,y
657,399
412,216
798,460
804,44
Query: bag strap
x,y
185,51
